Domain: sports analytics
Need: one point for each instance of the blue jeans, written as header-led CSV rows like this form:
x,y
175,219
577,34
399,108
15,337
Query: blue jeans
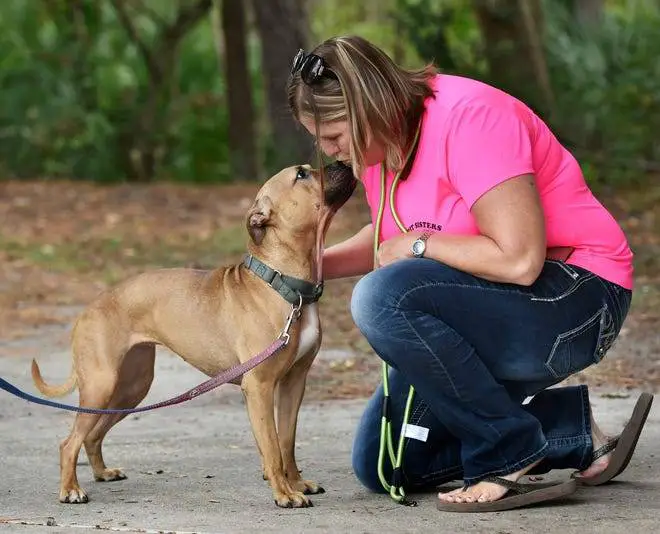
x,y
475,350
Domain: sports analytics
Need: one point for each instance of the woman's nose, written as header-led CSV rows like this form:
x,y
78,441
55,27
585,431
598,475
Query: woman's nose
x,y
330,149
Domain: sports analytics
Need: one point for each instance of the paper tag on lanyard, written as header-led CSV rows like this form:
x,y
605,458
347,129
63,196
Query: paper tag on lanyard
x,y
416,432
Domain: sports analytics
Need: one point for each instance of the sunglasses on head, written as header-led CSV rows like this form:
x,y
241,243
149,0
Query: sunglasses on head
x,y
312,67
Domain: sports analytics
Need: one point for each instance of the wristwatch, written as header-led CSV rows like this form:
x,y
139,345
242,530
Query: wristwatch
x,y
419,245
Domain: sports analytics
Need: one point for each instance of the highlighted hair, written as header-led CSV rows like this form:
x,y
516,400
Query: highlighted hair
x,y
380,100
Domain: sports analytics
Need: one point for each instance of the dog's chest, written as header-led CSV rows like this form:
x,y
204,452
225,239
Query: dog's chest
x,y
310,330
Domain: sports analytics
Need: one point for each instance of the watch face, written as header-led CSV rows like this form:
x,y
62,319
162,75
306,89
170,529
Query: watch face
x,y
418,247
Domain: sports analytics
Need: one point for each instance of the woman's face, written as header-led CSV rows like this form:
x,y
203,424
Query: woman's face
x,y
335,141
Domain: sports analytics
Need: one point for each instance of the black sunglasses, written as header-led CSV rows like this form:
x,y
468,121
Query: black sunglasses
x,y
312,67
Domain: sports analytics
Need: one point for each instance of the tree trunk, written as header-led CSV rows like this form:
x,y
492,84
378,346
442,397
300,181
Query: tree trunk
x,y
234,61
280,24
588,12
513,42
137,138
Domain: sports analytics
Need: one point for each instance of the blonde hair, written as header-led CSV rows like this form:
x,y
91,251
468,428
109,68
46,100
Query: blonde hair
x,y
379,99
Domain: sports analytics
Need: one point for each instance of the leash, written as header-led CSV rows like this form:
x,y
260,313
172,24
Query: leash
x,y
214,382
395,486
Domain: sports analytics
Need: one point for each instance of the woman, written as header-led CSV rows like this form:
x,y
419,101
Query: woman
x,y
498,275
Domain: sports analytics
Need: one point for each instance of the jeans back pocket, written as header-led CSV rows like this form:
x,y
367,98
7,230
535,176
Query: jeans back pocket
x,y
582,346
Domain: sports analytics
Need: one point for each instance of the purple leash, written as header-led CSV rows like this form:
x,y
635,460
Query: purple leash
x,y
204,387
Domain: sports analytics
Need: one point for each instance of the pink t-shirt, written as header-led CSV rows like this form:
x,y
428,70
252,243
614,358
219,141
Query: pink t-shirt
x,y
474,137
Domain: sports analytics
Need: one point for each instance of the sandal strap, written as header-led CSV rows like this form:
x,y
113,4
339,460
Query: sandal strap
x,y
514,487
605,449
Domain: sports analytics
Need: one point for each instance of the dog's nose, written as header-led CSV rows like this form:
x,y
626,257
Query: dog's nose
x,y
337,166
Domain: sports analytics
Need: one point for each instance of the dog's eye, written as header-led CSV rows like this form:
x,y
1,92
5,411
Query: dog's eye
x,y
302,173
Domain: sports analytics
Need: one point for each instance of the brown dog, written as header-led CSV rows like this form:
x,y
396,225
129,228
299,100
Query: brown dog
x,y
213,320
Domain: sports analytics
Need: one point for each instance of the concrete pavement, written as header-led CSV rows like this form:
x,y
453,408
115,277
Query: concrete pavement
x,y
194,468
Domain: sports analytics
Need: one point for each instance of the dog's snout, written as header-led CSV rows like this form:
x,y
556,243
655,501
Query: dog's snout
x,y
340,184
337,166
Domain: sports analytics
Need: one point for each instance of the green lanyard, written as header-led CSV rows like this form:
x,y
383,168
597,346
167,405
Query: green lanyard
x,y
395,489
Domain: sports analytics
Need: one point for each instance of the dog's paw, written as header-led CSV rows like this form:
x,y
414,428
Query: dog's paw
x,y
294,499
74,496
110,475
308,487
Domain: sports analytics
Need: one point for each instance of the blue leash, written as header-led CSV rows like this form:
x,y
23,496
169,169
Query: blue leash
x,y
45,402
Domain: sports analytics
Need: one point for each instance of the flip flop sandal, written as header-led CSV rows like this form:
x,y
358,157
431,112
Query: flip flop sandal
x,y
621,447
517,496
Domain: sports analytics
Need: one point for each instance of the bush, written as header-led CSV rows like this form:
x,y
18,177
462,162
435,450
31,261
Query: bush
x,y
70,105
606,80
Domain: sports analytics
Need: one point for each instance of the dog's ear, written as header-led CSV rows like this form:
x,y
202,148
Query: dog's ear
x,y
258,217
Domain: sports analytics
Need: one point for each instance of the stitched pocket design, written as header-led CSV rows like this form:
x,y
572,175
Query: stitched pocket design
x,y
563,280
582,346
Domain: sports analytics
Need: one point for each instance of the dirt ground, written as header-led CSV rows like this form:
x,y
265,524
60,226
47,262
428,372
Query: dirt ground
x,y
62,242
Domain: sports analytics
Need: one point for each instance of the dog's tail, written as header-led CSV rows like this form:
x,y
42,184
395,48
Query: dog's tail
x,y
53,391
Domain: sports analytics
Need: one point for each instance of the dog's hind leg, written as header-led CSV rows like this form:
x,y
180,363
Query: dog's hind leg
x,y
290,394
135,378
97,356
96,390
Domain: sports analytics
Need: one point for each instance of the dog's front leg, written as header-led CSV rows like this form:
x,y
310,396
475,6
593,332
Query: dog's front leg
x,y
290,394
259,398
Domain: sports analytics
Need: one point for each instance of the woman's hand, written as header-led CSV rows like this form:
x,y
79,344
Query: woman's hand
x,y
396,248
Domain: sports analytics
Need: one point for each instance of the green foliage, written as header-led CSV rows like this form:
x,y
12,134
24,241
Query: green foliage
x,y
442,31
607,84
77,99
74,89
197,126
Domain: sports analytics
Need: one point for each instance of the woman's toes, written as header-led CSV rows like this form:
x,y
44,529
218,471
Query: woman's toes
x,y
480,492
450,496
595,468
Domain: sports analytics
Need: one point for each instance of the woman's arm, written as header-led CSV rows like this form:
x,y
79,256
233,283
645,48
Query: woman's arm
x,y
512,244
351,257
511,247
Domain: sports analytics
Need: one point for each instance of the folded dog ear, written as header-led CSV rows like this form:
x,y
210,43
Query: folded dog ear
x,y
258,217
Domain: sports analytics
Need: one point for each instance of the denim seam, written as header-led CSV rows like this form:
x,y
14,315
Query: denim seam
x,y
567,441
566,293
586,426
568,336
423,408
441,476
454,284
431,352
570,291
608,290
565,267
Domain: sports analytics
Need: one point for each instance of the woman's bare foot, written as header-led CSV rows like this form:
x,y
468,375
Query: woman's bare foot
x,y
600,464
483,491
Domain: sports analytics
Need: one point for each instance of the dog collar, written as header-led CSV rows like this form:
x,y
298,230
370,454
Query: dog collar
x,y
290,288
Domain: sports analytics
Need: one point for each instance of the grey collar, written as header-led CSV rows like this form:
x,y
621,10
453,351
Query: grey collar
x,y
290,288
